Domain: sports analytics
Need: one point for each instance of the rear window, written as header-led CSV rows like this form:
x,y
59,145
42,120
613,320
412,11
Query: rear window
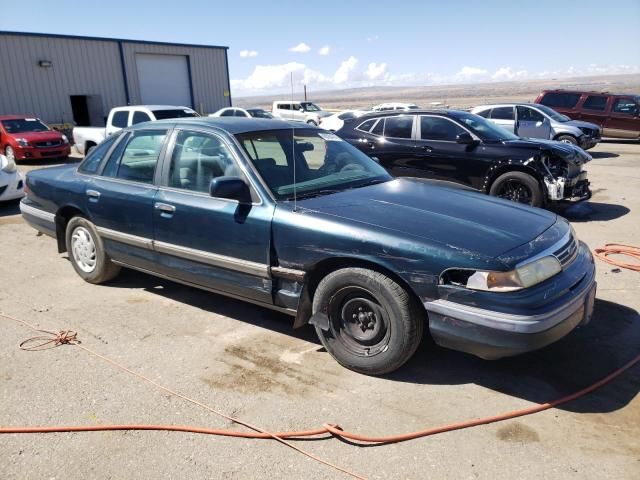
x,y
484,113
120,119
93,159
366,125
562,100
177,113
595,102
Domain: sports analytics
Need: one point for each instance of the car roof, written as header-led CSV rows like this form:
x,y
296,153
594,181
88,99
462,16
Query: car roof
x,y
413,111
16,117
157,107
492,105
594,92
233,125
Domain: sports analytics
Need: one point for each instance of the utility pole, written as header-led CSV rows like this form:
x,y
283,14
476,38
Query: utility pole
x,y
305,93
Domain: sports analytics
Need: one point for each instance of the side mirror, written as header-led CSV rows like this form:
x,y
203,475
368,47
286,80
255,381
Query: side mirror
x,y
233,188
465,139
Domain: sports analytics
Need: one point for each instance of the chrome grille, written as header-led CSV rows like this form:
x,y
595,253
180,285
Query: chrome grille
x,y
567,253
49,143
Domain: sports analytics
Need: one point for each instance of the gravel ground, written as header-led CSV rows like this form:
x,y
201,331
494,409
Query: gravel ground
x,y
247,362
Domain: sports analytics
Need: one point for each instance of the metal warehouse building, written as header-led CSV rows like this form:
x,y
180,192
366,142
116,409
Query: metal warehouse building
x,y
64,79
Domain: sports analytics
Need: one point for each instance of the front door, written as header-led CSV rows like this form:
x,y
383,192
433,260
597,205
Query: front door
x,y
532,124
120,199
212,242
624,120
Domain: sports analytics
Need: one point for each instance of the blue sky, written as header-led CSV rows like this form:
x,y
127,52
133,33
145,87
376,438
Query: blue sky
x,y
366,42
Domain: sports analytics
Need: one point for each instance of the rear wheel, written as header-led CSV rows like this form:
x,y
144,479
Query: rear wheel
x,y
518,187
375,326
87,253
312,123
567,139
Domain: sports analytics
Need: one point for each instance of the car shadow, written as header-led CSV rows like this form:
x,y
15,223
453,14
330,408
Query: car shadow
x,y
590,211
576,361
9,208
627,141
597,155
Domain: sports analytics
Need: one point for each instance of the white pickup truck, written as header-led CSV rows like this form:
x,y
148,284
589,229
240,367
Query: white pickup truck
x,y
86,138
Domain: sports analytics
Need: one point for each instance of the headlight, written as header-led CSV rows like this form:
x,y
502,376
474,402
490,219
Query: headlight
x,y
65,139
6,165
23,142
524,276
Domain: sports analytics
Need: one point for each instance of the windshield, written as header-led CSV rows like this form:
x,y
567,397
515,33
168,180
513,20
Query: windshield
x,y
20,125
310,107
324,163
259,113
487,131
558,117
177,113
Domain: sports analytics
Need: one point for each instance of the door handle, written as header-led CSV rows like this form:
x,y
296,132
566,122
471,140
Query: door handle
x,y
164,207
93,195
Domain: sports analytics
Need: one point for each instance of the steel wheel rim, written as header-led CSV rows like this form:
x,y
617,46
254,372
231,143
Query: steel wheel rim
x,y
564,140
10,154
83,249
359,322
515,191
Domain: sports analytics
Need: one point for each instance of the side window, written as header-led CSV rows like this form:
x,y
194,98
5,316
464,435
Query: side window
x,y
562,100
239,113
439,128
484,113
227,113
284,106
526,114
93,160
197,159
366,126
398,127
295,106
266,150
595,102
502,113
379,128
626,106
120,118
138,158
139,117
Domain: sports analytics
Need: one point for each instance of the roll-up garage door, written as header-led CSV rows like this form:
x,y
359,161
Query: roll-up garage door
x,y
164,79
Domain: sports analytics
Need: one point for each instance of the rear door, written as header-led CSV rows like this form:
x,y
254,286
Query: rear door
x,y
532,124
595,108
213,242
504,117
624,119
393,143
120,199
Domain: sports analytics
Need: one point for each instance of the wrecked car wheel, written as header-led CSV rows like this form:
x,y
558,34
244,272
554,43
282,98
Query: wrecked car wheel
x,y
374,325
87,253
519,187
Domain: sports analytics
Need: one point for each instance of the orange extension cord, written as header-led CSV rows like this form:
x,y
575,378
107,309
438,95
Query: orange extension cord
x,y
619,249
68,337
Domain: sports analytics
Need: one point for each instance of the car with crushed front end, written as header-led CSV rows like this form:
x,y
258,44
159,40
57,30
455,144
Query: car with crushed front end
x,y
297,220
460,147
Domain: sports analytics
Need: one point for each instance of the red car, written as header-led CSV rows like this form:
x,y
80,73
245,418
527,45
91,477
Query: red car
x,y
617,114
27,138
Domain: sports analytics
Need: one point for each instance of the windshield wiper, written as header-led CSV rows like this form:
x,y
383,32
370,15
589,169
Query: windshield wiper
x,y
314,193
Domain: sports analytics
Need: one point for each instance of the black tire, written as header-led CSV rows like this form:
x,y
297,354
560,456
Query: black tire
x,y
312,123
567,139
519,187
388,323
81,256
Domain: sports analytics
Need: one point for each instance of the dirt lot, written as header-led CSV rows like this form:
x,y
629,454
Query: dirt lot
x,y
247,362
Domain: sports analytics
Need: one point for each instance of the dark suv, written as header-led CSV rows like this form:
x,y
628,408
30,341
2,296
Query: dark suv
x,y
467,149
617,114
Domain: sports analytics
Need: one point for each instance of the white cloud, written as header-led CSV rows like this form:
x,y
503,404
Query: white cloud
x,y
470,73
377,71
300,48
506,73
344,70
269,76
372,38
326,50
248,53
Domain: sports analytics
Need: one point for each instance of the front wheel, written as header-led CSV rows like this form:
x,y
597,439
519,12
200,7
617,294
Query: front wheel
x,y
567,139
87,253
518,187
375,326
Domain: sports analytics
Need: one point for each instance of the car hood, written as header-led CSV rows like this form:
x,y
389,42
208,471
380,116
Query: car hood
x,y
566,151
458,218
38,136
580,123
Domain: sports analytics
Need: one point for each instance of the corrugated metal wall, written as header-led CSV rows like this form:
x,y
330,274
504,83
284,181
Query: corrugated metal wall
x,y
93,67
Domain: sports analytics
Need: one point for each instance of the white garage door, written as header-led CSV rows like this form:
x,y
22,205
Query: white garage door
x,y
163,79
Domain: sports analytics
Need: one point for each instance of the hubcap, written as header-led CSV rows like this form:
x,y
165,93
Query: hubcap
x,y
516,191
358,322
83,249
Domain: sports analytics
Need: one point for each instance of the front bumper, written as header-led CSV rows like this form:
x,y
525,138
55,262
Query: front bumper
x,y
588,142
37,153
11,188
492,334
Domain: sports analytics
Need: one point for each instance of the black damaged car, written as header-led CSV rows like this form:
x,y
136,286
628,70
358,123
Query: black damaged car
x,y
464,148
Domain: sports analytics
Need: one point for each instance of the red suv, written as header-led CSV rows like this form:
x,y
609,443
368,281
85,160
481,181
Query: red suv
x,y
26,138
617,114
